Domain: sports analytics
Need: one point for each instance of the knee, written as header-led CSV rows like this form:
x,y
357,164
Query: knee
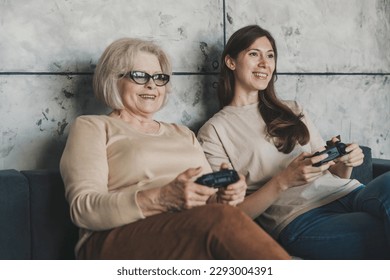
x,y
225,217
214,216
226,213
379,188
385,177
382,181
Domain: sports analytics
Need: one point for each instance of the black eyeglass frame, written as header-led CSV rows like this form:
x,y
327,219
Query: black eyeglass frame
x,y
155,77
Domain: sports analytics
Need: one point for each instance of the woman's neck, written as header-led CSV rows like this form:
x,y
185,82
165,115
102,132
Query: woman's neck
x,y
142,123
243,98
131,117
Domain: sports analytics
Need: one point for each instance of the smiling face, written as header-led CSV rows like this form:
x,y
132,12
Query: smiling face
x,y
253,69
143,101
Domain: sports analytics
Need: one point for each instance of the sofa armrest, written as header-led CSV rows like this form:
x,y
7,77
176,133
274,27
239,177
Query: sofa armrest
x,y
364,172
380,166
14,216
53,234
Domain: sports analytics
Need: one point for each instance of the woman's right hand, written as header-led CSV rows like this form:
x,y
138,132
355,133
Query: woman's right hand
x,y
183,193
301,171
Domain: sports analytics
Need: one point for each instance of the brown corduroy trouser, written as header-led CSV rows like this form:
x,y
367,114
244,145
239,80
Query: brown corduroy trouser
x,y
208,232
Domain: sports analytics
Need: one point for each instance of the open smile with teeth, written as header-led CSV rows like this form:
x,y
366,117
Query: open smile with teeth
x,y
147,96
260,75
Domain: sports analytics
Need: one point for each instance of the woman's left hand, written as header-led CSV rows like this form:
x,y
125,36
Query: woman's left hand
x,y
354,156
234,193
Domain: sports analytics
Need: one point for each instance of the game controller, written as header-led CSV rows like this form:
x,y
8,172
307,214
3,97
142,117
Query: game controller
x,y
334,151
218,179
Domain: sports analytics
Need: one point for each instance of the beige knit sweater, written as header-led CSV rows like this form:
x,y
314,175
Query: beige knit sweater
x,y
237,135
106,162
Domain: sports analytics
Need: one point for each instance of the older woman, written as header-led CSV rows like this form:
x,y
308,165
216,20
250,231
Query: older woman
x,y
129,179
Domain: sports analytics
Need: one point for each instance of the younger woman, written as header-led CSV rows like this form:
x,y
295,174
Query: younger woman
x,y
314,212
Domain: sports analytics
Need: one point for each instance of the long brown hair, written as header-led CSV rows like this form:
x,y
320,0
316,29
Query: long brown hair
x,y
282,123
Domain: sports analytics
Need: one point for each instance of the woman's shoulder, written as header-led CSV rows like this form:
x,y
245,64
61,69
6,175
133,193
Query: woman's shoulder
x,y
218,117
294,105
95,119
92,121
216,123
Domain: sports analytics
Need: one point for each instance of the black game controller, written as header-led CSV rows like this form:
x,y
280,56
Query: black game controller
x,y
218,179
335,151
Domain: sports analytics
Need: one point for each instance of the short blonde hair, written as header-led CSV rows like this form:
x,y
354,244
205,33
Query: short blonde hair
x,y
118,59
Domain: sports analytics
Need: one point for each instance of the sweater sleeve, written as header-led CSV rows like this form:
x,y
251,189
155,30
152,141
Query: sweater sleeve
x,y
213,147
84,169
316,140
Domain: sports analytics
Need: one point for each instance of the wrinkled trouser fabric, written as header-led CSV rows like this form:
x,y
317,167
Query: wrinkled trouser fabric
x,y
209,232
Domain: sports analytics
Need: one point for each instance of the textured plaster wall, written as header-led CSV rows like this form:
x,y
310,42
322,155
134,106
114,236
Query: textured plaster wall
x,y
334,58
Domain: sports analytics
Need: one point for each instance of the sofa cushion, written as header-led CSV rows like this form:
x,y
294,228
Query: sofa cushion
x,y
14,216
53,234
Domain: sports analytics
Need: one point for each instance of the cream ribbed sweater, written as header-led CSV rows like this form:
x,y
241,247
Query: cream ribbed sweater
x,y
237,135
106,162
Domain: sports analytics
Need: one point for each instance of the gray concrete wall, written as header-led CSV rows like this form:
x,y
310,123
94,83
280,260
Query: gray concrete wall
x,y
334,58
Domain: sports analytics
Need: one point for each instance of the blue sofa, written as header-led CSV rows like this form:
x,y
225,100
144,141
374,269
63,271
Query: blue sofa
x,y
34,215
34,220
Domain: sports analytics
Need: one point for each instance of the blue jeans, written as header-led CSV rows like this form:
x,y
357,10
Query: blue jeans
x,y
356,226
